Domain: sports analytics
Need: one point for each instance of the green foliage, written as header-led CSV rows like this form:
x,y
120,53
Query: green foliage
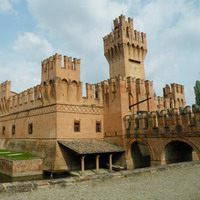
x,y
197,92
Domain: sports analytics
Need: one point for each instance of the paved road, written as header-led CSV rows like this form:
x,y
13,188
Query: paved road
x,y
183,184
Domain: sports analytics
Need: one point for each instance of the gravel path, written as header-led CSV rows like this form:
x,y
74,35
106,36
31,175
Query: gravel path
x,y
182,183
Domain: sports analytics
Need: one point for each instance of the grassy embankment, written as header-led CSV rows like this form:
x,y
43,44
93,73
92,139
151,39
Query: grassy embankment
x,y
12,155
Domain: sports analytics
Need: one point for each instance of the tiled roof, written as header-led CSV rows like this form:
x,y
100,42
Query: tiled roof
x,y
91,146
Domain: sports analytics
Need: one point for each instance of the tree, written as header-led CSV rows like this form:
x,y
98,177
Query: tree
x,y
197,92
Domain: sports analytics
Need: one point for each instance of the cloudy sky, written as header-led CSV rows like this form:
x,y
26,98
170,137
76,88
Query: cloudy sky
x,y
32,30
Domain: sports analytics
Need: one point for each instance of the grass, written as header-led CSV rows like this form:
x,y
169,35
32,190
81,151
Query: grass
x,y
13,155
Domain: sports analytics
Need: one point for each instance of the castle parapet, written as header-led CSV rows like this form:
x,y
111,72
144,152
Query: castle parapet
x,y
183,121
71,64
52,68
124,29
173,97
125,49
5,89
119,93
23,101
90,91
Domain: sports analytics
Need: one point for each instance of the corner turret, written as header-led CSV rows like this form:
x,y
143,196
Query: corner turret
x,y
52,68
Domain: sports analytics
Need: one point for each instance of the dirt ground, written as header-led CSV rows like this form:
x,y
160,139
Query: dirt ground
x,y
181,183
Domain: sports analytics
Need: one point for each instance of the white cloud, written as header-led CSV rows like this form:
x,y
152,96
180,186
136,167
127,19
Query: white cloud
x,y
75,28
23,75
5,6
172,35
24,68
32,47
173,38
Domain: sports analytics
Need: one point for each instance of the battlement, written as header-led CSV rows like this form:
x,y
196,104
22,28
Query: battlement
x,y
5,89
52,68
139,85
124,29
25,100
173,97
125,49
121,21
66,91
71,64
130,90
114,38
50,92
170,121
175,88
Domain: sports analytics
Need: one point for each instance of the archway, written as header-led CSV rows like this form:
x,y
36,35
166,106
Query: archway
x,y
141,155
177,151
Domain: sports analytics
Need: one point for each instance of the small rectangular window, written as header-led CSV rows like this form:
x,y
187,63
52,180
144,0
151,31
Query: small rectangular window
x,y
76,126
30,128
98,126
13,129
3,130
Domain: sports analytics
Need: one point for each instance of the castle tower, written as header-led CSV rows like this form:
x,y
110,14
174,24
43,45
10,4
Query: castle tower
x,y
125,49
52,68
176,92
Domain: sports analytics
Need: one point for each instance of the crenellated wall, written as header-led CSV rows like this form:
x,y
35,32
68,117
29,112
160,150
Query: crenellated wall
x,y
5,91
52,68
52,92
172,121
173,97
118,94
125,49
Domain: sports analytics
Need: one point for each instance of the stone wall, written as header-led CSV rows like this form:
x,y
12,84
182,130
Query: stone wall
x,y
44,149
16,168
35,185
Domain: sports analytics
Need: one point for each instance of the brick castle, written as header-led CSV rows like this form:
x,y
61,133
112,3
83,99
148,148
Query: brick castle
x,y
108,126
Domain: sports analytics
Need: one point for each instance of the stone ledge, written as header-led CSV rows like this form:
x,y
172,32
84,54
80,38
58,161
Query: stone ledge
x,y
17,168
34,185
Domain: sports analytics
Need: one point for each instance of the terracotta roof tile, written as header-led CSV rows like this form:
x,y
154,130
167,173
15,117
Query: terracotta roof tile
x,y
91,146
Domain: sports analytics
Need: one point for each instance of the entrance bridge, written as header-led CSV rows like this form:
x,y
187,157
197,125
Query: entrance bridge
x,y
161,137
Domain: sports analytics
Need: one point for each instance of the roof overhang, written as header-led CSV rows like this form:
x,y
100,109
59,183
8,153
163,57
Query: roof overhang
x,y
91,146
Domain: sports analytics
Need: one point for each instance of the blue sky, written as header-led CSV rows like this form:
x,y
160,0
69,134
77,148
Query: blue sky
x,y
32,30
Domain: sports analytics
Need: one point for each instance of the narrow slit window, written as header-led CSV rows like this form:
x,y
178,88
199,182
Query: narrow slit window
x,y
96,95
98,126
76,126
13,129
3,130
30,128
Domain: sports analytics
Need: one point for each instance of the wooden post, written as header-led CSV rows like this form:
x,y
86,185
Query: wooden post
x,y
97,163
82,164
110,161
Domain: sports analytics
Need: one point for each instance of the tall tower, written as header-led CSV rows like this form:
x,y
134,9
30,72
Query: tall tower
x,y
125,49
